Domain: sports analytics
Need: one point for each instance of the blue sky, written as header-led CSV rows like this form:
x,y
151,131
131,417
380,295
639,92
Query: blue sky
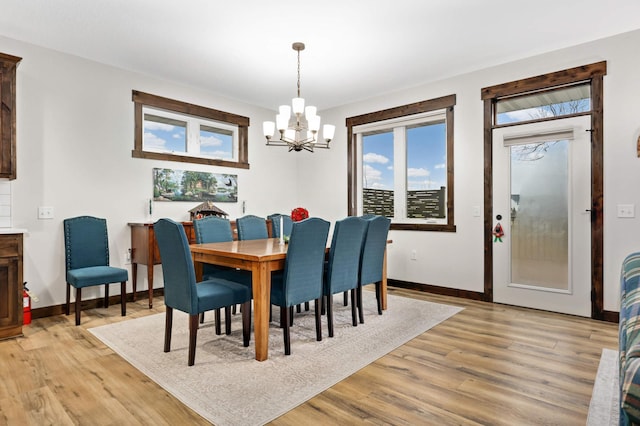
x,y
426,158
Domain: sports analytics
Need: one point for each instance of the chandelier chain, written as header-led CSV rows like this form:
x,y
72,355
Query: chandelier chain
x,y
298,73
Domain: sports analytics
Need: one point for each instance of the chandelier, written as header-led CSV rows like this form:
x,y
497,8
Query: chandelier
x,y
300,130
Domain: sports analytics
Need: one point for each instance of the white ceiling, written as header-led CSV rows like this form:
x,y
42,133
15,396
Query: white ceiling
x,y
355,49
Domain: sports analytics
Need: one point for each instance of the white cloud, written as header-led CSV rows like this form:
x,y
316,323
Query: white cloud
x,y
151,141
372,174
377,185
411,172
422,184
375,158
390,168
440,166
207,141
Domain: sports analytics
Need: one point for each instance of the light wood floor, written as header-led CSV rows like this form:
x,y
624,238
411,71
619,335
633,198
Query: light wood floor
x,y
489,365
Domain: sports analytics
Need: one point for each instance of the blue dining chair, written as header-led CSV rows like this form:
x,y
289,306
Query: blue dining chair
x,y
275,224
301,280
183,293
86,244
252,227
343,266
213,229
372,261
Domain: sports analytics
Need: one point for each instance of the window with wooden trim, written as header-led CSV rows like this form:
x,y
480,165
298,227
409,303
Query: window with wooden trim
x,y
167,129
401,165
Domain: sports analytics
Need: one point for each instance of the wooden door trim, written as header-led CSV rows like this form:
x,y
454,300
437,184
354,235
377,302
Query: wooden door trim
x,y
594,74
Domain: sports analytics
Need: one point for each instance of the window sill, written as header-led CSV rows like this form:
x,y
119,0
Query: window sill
x,y
187,159
422,227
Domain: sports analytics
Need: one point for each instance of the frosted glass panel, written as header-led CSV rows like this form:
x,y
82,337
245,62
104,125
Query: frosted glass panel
x,y
539,215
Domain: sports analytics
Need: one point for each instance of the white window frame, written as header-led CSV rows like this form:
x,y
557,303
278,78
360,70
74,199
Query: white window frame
x,y
399,128
193,126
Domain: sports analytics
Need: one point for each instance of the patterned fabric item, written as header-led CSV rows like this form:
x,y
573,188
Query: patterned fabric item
x,y
629,334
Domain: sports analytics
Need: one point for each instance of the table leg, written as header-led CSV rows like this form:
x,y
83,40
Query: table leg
x,y
261,282
383,283
134,272
150,280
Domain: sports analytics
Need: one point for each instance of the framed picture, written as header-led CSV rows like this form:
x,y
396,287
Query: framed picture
x,y
181,185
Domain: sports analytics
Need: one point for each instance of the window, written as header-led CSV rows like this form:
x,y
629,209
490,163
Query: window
x,y
549,102
177,131
401,165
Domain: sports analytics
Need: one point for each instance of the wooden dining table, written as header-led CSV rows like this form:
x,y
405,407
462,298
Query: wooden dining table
x,y
261,257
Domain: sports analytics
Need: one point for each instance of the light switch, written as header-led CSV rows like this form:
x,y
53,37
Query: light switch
x,y
45,212
626,210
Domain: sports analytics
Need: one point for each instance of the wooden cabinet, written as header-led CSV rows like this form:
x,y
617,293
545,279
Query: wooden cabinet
x,y
8,65
10,285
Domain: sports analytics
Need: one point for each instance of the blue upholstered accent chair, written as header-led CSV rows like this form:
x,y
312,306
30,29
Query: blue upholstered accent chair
x,y
372,263
252,227
301,280
183,293
213,229
343,266
275,224
86,244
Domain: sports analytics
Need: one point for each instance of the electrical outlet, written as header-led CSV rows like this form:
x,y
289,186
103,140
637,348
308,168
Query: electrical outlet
x,y
45,212
414,255
475,211
127,257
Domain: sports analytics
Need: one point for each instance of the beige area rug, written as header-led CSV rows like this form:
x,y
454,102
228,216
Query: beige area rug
x,y
604,407
227,386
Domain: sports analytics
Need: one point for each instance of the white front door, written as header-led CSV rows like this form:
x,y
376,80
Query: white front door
x,y
542,194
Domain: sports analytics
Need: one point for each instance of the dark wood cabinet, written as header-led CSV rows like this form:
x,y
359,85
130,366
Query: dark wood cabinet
x,y
10,285
8,65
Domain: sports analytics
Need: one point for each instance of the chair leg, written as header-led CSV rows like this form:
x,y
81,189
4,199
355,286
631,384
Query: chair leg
x,y
316,305
234,309
323,308
66,309
284,314
345,301
218,322
290,322
227,320
123,298
329,301
78,298
246,323
201,317
306,306
354,319
193,334
168,323
298,308
106,296
359,299
378,297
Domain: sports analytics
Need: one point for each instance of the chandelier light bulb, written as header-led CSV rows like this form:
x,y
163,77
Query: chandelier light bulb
x,y
328,131
268,129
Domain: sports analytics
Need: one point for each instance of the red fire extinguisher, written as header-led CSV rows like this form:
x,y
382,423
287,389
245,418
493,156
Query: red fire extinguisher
x,y
26,305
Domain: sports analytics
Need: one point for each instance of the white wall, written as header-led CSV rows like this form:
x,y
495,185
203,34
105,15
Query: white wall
x,y
456,259
75,136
